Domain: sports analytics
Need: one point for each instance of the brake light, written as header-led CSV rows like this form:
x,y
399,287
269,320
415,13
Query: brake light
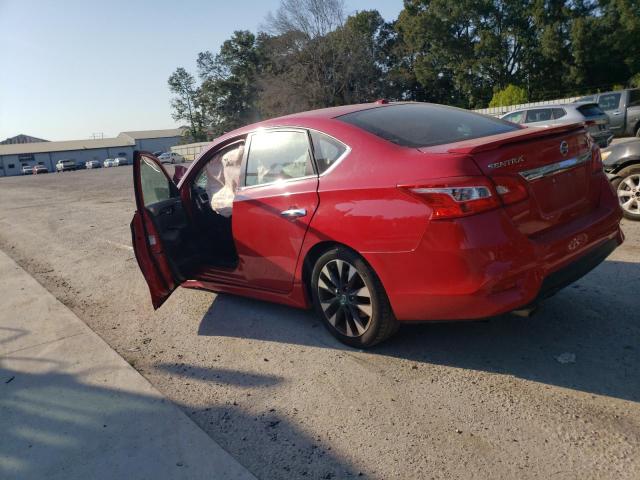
x,y
511,189
455,197
596,159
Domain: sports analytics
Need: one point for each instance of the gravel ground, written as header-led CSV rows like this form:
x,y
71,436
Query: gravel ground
x,y
449,400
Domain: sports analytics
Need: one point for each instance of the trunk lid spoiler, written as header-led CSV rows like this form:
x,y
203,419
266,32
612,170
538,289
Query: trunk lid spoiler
x,y
476,145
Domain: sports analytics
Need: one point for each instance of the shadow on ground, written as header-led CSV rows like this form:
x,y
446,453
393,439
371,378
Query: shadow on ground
x,y
596,319
54,426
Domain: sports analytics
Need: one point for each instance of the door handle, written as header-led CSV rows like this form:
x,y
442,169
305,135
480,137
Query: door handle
x,y
294,212
616,113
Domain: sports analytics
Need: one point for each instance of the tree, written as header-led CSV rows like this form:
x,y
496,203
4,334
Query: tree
x,y
185,102
229,91
468,53
510,95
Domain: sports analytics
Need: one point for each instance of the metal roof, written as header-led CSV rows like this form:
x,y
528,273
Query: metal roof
x,y
142,134
21,138
125,139
43,147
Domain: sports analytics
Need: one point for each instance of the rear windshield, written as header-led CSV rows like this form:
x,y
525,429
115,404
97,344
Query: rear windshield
x,y
591,110
424,124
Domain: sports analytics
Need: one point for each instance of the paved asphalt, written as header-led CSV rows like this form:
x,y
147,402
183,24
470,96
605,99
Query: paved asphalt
x,y
73,409
449,400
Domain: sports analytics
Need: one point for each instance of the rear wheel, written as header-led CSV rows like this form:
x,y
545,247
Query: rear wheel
x,y
350,299
627,186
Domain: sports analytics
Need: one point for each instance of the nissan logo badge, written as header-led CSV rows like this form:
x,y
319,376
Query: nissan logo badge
x,y
564,148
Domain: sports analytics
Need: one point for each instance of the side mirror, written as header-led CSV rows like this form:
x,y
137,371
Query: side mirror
x,y
178,173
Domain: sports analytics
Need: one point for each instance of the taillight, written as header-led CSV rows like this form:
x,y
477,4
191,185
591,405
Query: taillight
x,y
596,159
455,197
511,189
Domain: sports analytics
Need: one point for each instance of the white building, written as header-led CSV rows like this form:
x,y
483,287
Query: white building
x,y
14,156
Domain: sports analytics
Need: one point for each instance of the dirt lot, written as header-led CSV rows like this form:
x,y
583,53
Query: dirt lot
x,y
458,400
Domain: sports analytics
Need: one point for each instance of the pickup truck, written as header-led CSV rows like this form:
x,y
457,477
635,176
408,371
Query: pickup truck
x,y
623,108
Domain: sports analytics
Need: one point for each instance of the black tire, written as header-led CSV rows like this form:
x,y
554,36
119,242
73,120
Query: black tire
x,y
338,309
632,173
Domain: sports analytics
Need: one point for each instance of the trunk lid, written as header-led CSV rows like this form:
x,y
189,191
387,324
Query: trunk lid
x,y
554,165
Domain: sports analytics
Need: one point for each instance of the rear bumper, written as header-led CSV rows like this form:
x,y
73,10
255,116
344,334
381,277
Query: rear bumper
x,y
481,266
577,269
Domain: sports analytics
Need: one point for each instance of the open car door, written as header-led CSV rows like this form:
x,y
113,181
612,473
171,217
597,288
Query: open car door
x,y
159,227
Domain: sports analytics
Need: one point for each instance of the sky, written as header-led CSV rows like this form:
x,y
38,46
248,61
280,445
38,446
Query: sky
x,y
70,69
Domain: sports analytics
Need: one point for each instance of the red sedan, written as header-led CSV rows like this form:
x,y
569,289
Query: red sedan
x,y
378,214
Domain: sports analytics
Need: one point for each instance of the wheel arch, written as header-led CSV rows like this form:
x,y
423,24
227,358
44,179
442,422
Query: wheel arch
x,y
627,163
315,252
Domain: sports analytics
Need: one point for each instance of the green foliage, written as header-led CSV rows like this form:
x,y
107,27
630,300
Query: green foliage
x,y
468,53
511,95
185,102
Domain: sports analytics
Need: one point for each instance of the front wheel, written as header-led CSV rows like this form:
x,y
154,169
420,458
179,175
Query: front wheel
x,y
627,186
351,300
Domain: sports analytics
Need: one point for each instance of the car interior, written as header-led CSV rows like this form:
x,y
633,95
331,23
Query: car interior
x,y
213,193
206,240
196,243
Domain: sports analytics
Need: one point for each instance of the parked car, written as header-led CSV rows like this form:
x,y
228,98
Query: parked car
x,y
622,165
378,214
595,120
27,170
93,164
108,163
40,169
158,153
65,165
623,108
171,157
120,161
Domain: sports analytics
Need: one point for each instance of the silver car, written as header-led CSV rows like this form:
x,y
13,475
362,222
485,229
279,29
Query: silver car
x,y
594,118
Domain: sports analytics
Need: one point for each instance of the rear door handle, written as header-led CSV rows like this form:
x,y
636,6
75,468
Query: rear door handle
x,y
294,212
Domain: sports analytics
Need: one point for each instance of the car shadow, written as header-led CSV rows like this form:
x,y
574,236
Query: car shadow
x,y
54,425
595,320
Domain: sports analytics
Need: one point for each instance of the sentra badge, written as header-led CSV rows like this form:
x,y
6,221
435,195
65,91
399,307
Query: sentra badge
x,y
506,163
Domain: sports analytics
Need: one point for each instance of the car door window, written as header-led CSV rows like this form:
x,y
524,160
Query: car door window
x,y
558,113
156,187
515,117
538,115
634,98
278,155
609,101
326,150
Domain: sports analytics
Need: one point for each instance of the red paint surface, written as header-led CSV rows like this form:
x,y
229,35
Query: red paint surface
x,y
472,267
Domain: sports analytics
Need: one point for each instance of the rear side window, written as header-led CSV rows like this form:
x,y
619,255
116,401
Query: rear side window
x,y
515,117
610,101
423,125
559,113
591,110
634,98
326,150
278,155
538,115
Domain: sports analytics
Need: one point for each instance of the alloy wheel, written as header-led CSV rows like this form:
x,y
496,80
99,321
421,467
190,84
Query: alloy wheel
x,y
345,298
629,194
